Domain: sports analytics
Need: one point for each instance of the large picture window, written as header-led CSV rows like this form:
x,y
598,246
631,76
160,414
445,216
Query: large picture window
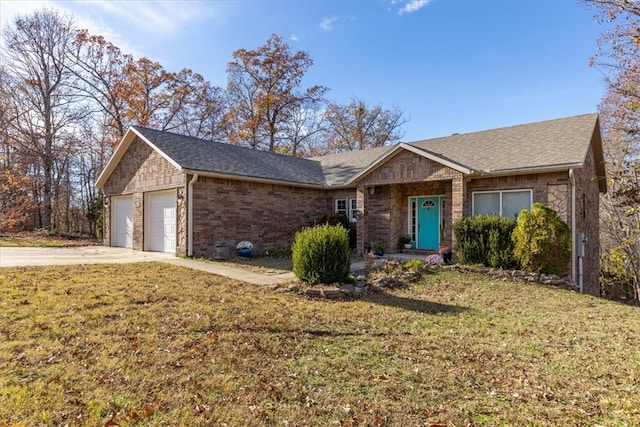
x,y
504,203
347,207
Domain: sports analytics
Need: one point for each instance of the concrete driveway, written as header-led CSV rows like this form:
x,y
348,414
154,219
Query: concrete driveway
x,y
23,257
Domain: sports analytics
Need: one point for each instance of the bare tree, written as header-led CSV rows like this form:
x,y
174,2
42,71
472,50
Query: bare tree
x,y
356,126
43,106
618,57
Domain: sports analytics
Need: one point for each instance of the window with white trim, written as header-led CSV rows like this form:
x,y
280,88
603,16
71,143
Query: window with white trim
x,y
347,207
507,203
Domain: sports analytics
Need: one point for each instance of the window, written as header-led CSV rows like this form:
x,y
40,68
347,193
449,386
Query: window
x,y
504,203
347,207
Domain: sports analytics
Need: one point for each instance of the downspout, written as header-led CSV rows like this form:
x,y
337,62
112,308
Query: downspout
x,y
574,265
190,215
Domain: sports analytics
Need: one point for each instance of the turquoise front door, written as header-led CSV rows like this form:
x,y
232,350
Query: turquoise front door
x,y
428,223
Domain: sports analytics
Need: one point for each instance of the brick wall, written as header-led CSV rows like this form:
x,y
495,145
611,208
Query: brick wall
x,y
143,170
539,183
228,211
409,167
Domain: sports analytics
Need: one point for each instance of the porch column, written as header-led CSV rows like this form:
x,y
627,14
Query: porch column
x,y
362,227
458,200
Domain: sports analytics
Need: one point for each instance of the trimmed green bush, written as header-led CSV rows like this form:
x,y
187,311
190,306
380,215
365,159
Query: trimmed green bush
x,y
485,240
341,219
321,254
542,241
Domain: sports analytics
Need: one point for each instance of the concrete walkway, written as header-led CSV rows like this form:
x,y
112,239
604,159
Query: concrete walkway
x,y
22,257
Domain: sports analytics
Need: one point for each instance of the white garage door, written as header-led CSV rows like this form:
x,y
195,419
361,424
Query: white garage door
x,y
123,222
162,222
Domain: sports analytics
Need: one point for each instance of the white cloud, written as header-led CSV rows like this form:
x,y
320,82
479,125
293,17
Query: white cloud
x,y
155,17
294,38
127,24
327,23
413,6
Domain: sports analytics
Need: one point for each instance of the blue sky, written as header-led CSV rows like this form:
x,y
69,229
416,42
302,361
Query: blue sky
x,y
451,65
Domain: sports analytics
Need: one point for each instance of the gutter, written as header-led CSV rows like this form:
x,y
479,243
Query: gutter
x,y
574,266
190,215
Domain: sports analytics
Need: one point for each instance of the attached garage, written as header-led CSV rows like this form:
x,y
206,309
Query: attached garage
x,y
161,220
123,222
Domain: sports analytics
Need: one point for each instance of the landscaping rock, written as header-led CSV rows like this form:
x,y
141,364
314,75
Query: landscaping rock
x,y
332,293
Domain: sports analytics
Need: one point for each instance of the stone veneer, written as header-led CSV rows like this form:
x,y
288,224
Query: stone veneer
x,y
587,217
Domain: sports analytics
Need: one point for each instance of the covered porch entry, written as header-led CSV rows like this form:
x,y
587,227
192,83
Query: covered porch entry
x,y
423,211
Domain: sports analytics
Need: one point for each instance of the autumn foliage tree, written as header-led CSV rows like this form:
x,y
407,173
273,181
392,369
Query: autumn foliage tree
x,y
67,97
264,93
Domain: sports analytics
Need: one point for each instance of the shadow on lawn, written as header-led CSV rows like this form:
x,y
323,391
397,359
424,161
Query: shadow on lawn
x,y
411,304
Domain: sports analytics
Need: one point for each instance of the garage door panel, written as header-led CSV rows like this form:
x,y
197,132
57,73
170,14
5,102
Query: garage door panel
x,y
162,222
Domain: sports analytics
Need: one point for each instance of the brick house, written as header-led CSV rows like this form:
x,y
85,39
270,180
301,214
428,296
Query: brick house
x,y
172,193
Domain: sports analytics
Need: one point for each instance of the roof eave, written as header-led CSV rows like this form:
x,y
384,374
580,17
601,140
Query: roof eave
x,y
529,170
237,177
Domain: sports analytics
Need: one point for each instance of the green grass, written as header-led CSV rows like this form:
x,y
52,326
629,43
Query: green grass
x,y
154,344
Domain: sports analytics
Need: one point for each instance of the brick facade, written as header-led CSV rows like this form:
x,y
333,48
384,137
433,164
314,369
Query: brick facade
x,y
540,184
138,173
228,211
405,175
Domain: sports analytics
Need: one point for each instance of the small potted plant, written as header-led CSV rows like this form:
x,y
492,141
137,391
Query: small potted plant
x,y
404,242
444,251
378,249
245,248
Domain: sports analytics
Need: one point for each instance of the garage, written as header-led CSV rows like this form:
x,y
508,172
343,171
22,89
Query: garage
x,y
123,222
161,234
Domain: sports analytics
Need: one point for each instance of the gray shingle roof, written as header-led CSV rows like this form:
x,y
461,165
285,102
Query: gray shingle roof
x,y
340,168
541,145
215,157
535,146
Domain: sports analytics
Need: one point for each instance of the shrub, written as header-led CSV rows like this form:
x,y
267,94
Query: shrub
x,y
542,241
341,219
485,240
321,254
414,265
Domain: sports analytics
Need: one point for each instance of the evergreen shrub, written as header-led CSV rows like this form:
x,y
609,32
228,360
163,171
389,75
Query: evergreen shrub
x,y
542,241
321,254
485,240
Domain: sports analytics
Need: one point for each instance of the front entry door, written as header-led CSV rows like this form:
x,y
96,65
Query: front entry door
x,y
428,223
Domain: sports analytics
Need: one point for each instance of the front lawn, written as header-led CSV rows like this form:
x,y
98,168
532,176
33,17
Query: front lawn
x,y
155,344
